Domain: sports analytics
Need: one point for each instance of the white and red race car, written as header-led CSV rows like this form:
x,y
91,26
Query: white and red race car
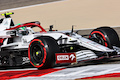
x,y
31,43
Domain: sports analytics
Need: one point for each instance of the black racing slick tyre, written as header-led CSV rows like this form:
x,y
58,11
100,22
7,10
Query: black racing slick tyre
x,y
41,52
106,36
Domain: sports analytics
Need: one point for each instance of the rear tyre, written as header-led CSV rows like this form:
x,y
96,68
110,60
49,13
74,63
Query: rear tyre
x,y
41,52
106,36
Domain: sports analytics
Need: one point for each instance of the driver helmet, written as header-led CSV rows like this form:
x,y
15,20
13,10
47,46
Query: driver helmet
x,y
22,30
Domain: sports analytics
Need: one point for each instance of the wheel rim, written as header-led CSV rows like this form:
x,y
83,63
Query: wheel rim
x,y
37,54
99,39
36,48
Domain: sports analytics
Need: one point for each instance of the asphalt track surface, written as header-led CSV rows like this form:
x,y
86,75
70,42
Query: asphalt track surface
x,y
7,4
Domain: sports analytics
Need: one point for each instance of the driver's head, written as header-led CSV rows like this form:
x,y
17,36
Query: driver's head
x,y
23,30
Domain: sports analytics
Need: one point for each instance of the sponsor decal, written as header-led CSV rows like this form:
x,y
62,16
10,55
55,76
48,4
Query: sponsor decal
x,y
62,57
65,58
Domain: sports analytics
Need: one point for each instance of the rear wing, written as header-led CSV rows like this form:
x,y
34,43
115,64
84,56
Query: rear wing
x,y
7,14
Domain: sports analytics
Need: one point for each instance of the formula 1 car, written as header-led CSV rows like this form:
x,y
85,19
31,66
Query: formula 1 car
x,y
31,43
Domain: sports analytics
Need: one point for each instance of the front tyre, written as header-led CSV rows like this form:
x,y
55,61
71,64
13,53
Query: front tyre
x,y
105,36
41,52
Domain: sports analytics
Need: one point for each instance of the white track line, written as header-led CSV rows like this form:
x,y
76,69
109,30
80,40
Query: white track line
x,y
81,72
31,6
71,73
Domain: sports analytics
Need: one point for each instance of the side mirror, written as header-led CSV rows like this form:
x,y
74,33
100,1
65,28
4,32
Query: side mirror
x,y
50,29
